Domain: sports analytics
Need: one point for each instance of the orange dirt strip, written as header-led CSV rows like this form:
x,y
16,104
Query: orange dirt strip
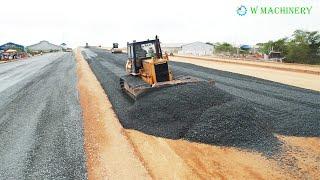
x,y
180,159
110,154
305,151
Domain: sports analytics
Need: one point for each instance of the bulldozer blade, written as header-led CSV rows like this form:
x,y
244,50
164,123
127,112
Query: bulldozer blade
x,y
179,81
135,87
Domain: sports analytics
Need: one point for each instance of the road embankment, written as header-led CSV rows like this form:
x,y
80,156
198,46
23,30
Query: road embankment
x,y
110,155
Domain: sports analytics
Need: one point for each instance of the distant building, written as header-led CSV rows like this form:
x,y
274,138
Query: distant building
x,y
197,49
11,45
171,48
64,46
44,46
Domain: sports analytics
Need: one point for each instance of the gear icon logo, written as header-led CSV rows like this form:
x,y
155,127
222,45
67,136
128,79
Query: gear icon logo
x,y
242,10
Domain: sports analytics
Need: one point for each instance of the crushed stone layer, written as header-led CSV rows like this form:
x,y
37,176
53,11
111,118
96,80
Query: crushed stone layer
x,y
41,134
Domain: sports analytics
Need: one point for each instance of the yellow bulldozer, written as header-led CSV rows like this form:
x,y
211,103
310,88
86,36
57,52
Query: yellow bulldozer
x,y
148,69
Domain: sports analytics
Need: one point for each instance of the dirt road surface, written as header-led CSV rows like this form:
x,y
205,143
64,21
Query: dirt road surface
x,y
292,67
279,117
298,79
41,134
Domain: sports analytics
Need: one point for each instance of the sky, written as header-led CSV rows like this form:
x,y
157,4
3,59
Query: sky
x,y
102,22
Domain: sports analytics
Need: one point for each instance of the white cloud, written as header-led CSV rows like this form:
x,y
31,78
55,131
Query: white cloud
x,y
103,22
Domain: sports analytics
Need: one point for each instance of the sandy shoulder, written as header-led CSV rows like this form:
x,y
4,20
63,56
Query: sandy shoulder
x,y
181,159
298,79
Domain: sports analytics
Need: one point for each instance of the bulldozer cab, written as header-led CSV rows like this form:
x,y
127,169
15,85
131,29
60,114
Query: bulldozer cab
x,y
147,70
141,51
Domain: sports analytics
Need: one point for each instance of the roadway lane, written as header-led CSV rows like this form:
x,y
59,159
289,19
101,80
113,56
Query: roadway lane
x,y
41,134
287,110
292,111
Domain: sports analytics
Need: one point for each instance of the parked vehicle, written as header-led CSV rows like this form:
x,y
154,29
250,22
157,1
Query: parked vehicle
x,y
276,56
115,48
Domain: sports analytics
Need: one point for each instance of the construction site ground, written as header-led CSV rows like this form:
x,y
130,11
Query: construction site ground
x,y
64,116
243,127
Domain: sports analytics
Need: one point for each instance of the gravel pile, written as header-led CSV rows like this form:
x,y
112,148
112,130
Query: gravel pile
x,y
171,111
235,123
202,113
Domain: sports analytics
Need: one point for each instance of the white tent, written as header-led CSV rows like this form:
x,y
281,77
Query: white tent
x,y
44,46
197,49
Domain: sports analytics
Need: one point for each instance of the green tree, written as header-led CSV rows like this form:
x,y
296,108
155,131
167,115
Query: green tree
x,y
278,45
301,47
225,48
297,52
265,48
304,47
281,45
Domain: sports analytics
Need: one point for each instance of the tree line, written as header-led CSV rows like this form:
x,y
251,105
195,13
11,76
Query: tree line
x,y
301,47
